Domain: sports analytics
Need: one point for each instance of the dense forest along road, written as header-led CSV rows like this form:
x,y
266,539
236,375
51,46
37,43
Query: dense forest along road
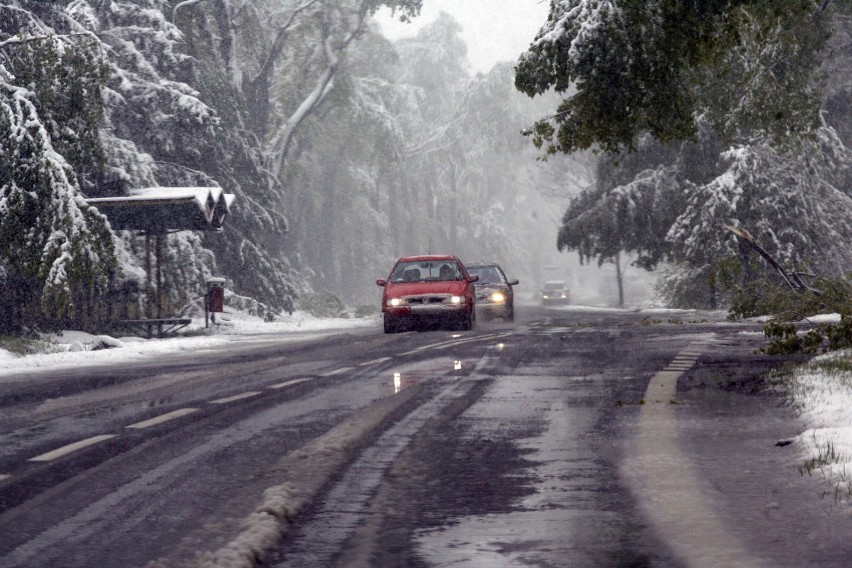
x,y
572,437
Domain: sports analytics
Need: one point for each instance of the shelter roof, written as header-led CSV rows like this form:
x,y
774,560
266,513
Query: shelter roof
x,y
164,209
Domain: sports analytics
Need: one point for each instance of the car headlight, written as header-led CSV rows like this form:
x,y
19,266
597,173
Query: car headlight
x,y
497,297
456,299
394,302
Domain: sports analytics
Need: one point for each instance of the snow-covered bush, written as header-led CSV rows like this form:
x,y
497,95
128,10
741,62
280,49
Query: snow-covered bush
x,y
323,304
249,306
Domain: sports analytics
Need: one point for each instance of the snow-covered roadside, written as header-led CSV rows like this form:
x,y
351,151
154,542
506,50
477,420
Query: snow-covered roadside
x,y
75,348
821,390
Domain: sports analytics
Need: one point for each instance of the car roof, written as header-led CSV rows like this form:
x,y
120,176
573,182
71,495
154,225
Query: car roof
x,y
561,282
478,264
427,257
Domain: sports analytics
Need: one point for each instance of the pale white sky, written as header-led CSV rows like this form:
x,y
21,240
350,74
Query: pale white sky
x,y
494,30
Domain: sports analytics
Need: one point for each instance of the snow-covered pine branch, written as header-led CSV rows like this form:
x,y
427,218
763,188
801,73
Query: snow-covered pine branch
x,y
49,237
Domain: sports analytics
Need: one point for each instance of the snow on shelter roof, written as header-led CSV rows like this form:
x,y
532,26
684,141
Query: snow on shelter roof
x,y
163,209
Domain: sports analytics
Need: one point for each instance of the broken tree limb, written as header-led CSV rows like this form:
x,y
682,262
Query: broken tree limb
x,y
791,278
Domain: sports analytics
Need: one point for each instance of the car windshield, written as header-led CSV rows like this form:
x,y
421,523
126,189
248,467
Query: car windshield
x,y
426,271
554,286
488,274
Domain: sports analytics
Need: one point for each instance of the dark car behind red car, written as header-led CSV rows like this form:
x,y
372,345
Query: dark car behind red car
x,y
494,295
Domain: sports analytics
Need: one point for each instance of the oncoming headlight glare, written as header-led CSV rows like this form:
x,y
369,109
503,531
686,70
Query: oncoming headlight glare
x,y
456,299
498,297
394,302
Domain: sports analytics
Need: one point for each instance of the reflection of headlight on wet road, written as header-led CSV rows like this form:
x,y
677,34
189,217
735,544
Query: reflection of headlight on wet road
x,y
457,365
397,382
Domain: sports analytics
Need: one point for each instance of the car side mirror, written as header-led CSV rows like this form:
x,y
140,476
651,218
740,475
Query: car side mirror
x,y
513,282
474,278
381,282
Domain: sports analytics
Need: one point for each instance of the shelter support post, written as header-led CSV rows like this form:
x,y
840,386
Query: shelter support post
x,y
148,287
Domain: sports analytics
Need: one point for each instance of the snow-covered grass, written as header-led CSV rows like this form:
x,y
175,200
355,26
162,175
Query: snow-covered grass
x,y
75,348
821,390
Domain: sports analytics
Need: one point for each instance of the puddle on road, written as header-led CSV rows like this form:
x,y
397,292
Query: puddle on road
x,y
407,375
510,540
570,507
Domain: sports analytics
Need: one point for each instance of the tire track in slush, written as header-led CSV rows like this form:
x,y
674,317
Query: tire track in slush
x,y
312,466
667,484
349,500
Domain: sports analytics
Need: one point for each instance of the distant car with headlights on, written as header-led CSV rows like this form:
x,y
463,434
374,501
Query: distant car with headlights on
x,y
494,295
428,290
555,292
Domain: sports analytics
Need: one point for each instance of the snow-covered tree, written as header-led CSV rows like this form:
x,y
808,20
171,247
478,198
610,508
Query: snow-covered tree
x,y
285,56
634,66
174,118
411,153
745,101
288,61
837,105
602,222
794,203
57,253
66,77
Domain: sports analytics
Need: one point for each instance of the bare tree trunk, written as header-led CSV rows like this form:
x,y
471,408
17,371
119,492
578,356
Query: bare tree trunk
x,y
619,276
745,253
256,90
281,141
713,300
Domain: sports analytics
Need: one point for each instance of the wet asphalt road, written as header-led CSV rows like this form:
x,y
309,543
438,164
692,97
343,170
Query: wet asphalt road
x,y
525,444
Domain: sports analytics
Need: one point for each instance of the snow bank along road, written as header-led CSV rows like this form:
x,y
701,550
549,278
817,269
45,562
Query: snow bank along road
x,y
568,439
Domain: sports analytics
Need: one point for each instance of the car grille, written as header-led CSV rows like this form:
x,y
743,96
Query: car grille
x,y
425,300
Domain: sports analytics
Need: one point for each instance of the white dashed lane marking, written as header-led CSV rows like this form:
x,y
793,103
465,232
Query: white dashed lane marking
x,y
336,371
163,418
374,362
289,383
226,400
64,450
4,476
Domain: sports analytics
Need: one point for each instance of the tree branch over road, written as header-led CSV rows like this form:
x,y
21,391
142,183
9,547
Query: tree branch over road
x,y
791,278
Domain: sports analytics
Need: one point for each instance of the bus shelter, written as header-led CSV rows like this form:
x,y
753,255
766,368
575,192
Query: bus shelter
x,y
154,212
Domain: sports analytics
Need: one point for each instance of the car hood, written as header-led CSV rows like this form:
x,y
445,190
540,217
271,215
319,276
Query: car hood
x,y
490,287
456,287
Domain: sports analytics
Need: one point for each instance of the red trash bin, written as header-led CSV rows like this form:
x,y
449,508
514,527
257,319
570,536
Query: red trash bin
x,y
216,299
214,302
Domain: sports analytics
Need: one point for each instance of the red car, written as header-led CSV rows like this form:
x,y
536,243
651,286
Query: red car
x,y
433,289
